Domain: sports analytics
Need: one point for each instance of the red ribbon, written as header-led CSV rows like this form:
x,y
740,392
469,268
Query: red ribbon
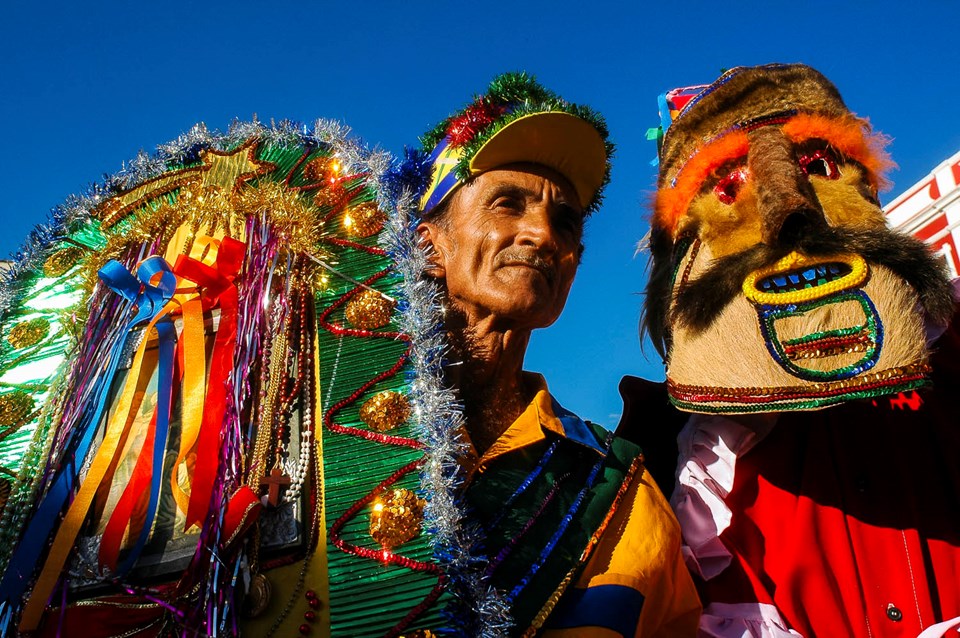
x,y
218,290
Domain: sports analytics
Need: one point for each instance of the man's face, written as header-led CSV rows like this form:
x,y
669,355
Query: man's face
x,y
508,246
786,290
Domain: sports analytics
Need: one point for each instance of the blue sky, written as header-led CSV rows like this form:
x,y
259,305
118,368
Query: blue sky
x,y
85,85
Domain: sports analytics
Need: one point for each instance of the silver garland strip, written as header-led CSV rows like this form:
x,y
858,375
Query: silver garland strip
x,y
478,608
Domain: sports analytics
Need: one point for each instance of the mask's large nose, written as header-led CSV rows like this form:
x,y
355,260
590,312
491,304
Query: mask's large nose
x,y
788,205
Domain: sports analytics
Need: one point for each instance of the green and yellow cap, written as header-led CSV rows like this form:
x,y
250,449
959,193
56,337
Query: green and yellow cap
x,y
519,121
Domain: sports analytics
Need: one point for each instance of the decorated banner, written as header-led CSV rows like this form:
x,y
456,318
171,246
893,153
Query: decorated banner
x,y
221,407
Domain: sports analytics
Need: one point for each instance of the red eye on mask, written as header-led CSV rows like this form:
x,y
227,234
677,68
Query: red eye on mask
x,y
729,186
820,163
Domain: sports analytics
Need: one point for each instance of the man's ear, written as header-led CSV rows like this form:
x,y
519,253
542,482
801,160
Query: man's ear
x,y
429,233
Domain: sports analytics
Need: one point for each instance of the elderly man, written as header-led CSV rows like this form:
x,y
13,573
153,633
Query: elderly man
x,y
777,289
578,539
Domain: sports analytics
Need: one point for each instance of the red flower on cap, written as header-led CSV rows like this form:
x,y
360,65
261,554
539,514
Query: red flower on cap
x,y
476,117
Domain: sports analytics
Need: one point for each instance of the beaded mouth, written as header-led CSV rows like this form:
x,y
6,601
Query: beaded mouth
x,y
798,278
832,352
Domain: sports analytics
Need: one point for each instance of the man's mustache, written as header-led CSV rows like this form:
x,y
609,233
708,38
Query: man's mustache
x,y
532,259
698,303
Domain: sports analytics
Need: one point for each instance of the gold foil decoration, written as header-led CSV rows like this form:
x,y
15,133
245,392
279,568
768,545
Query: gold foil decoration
x,y
29,333
109,210
385,410
61,261
364,220
396,517
369,310
420,633
15,407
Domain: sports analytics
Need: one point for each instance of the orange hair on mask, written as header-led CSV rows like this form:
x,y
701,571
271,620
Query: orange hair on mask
x,y
850,136
673,202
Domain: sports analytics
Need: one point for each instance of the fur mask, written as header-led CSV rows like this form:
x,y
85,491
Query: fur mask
x,y
776,284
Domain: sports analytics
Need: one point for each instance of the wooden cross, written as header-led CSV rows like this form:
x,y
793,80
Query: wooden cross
x,y
274,481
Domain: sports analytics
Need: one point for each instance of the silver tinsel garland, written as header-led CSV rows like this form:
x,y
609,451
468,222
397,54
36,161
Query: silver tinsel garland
x,y
479,609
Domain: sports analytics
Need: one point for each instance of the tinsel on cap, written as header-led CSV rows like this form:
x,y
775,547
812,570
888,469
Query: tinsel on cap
x,y
509,97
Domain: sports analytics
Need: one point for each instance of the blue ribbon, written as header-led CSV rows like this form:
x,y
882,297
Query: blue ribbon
x,y
168,338
148,301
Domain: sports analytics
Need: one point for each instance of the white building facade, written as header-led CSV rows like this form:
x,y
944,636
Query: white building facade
x,y
930,210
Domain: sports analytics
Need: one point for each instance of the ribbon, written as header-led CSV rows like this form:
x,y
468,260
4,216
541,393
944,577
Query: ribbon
x,y
217,286
151,302
201,419
150,458
147,301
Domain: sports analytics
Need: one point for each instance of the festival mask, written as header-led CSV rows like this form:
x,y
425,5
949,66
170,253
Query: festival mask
x,y
776,284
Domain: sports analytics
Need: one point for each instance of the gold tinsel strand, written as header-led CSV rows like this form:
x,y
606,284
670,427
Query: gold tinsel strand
x,y
296,219
15,407
29,333
396,517
364,220
210,207
385,410
369,310
61,261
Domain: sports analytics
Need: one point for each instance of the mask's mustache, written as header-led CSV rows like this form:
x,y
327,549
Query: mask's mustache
x,y
698,303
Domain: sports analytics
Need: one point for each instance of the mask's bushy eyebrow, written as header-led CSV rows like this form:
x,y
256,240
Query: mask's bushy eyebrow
x,y
850,136
674,200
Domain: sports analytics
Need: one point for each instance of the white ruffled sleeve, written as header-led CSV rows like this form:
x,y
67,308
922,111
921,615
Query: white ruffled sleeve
x,y
709,447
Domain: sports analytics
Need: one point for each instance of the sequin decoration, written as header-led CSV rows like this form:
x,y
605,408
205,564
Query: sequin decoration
x,y
15,407
369,310
385,410
61,261
396,517
29,333
364,220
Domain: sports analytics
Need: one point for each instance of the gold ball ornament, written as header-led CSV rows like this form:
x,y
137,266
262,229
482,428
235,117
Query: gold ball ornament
x,y
61,261
385,410
15,407
28,333
331,196
369,310
364,220
322,169
396,517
